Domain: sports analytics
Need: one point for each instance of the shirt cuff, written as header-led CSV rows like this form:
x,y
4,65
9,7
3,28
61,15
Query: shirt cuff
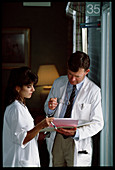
x,y
76,137
50,112
19,137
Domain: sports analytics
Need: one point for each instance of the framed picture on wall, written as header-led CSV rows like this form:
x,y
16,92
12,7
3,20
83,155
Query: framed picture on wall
x,y
15,47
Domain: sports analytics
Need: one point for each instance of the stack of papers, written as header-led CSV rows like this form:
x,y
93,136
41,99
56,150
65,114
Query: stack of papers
x,y
64,123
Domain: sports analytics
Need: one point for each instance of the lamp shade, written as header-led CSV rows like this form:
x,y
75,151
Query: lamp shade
x,y
47,74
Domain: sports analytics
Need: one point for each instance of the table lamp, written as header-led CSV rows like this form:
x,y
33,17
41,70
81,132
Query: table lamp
x,y
46,76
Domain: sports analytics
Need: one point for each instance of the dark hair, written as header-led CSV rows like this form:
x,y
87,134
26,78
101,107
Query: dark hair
x,y
78,60
18,77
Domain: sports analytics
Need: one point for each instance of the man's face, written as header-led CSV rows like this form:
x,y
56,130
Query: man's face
x,y
77,77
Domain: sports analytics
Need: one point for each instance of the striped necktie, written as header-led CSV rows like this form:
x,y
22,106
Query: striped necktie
x,y
69,107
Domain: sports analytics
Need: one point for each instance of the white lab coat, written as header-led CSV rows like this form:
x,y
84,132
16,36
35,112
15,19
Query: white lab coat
x,y
17,121
89,97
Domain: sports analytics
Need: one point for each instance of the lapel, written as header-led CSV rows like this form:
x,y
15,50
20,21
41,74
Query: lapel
x,y
63,87
62,92
81,94
83,89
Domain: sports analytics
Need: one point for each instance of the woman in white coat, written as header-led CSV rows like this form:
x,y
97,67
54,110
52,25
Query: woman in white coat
x,y
86,107
20,148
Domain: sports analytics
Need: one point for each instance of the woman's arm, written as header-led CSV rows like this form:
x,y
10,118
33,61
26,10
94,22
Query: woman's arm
x,y
33,132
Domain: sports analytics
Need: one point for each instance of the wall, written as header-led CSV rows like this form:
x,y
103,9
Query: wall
x,y
48,38
94,51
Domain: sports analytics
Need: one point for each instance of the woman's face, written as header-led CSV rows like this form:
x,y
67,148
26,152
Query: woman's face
x,y
26,91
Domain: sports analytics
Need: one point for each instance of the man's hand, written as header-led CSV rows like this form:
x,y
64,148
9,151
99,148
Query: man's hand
x,y
52,104
67,132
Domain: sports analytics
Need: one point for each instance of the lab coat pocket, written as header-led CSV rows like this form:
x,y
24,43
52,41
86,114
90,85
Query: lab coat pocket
x,y
83,111
84,160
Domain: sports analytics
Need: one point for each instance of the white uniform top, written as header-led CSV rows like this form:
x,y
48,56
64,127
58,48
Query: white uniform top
x,y
17,121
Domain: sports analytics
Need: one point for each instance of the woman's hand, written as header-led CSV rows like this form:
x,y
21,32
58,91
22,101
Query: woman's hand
x,y
46,122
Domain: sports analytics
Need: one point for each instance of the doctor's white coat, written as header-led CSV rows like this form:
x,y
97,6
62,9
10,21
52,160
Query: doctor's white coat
x,y
89,97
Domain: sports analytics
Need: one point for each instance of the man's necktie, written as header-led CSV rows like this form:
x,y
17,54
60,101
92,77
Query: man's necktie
x,y
69,107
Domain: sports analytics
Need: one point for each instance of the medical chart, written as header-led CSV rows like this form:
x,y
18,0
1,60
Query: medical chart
x,y
64,123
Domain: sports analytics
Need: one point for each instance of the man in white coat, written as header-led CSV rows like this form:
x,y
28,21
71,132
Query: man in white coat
x,y
73,147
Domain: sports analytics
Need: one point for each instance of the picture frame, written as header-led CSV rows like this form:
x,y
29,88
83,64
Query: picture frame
x,y
15,47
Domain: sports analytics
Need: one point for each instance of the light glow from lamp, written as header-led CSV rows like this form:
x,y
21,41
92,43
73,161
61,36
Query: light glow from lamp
x,y
46,75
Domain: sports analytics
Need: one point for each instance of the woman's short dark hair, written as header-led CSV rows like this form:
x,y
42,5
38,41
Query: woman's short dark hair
x,y
78,60
18,77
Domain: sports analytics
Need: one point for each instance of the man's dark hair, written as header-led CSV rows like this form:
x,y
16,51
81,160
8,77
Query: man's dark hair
x,y
78,60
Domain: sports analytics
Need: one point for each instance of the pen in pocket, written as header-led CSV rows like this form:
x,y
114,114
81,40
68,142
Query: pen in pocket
x,y
82,106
